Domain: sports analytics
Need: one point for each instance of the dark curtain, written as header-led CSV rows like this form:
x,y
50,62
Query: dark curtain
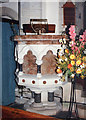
x,y
8,65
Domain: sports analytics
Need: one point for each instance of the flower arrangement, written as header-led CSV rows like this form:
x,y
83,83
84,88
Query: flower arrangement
x,y
71,58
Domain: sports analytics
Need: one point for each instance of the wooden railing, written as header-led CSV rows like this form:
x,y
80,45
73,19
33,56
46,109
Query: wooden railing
x,y
9,113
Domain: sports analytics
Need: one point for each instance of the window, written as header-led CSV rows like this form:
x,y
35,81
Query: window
x,y
69,13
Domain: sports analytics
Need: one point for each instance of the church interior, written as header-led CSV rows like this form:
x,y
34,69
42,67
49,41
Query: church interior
x,y
32,86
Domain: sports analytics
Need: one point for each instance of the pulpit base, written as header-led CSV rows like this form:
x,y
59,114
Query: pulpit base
x,y
46,108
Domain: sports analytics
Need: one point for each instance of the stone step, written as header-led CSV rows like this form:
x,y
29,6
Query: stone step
x,y
82,111
80,91
83,94
78,87
78,96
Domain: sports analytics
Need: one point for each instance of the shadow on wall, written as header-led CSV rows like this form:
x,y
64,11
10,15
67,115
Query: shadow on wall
x,y
10,13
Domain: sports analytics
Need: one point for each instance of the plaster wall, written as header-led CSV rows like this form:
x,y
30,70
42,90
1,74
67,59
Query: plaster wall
x,y
30,10
79,16
10,9
52,14
40,10
44,9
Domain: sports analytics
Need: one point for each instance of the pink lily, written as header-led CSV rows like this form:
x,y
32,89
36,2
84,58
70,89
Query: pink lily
x,y
79,51
82,46
82,36
76,48
83,43
73,52
72,48
80,39
73,36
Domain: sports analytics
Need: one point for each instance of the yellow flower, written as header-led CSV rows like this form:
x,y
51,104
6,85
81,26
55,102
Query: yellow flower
x,y
82,76
78,71
72,56
59,70
66,50
63,57
72,62
63,78
78,62
71,69
84,58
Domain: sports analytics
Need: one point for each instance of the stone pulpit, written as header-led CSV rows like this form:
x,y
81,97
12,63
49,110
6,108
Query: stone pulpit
x,y
36,56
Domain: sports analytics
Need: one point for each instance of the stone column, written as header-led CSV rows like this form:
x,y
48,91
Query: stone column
x,y
51,101
50,96
37,99
39,62
32,94
20,67
20,62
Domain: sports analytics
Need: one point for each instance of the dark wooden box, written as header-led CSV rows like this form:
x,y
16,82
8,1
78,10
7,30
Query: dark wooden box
x,y
50,28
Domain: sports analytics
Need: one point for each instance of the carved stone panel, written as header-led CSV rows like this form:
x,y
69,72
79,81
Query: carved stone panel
x,y
29,64
49,63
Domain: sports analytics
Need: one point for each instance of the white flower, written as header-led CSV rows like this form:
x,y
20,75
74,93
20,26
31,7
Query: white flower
x,y
85,51
71,43
77,43
72,75
59,67
60,60
64,41
65,59
64,47
82,66
60,40
61,52
60,74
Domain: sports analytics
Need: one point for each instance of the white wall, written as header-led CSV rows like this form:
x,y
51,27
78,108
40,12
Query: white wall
x,y
61,17
78,19
52,11
11,8
30,10
52,14
44,10
79,16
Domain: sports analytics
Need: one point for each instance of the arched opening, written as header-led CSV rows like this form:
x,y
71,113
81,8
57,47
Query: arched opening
x,y
9,13
69,13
